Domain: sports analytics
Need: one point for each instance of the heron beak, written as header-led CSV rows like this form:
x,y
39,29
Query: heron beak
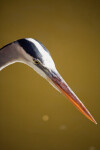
x,y
65,89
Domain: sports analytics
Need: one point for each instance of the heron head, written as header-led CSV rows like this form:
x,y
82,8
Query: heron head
x,y
39,58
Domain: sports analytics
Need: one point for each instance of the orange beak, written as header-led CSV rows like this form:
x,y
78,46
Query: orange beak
x,y
65,89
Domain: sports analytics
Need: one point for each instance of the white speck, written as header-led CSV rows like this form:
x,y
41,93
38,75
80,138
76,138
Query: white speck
x,y
63,127
45,118
92,148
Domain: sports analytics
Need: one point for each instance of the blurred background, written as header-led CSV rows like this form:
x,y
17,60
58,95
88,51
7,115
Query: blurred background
x,y
33,115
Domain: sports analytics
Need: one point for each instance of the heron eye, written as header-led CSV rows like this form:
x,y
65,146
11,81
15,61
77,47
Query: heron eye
x,y
36,62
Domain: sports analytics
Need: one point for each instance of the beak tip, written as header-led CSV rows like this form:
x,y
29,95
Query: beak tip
x,y
95,122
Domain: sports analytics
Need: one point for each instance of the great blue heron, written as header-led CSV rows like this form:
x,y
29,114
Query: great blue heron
x,y
32,53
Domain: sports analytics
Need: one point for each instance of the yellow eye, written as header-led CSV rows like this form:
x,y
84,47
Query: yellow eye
x,y
36,62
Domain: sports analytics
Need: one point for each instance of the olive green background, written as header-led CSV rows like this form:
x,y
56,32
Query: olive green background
x,y
33,115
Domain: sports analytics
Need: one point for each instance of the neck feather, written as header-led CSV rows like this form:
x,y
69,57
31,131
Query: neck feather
x,y
9,54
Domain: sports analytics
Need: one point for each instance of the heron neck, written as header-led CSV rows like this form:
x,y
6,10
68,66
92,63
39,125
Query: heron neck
x,y
8,55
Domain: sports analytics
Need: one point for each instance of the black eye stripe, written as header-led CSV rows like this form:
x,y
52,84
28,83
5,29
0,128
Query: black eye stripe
x,y
30,48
